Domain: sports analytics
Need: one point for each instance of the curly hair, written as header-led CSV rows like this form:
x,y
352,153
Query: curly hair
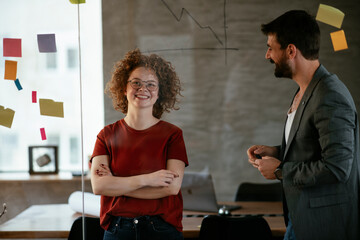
x,y
169,83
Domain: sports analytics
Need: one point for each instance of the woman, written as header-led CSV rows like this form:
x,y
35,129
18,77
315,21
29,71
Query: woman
x,y
138,162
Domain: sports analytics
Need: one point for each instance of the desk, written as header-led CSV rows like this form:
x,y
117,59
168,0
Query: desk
x,y
22,176
22,190
249,208
55,220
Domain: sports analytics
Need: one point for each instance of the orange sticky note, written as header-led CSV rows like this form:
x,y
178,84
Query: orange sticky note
x,y
10,70
339,40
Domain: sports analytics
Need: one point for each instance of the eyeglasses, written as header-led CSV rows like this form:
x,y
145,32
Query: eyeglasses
x,y
137,84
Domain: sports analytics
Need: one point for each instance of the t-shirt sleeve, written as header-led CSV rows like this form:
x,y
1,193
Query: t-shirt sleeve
x,y
101,147
176,147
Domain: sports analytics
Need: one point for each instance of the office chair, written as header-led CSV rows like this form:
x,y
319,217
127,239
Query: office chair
x,y
259,192
215,227
93,230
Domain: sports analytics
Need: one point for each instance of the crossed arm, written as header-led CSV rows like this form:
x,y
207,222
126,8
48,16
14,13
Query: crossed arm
x,y
154,185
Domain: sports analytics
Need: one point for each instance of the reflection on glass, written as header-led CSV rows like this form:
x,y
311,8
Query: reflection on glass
x,y
52,75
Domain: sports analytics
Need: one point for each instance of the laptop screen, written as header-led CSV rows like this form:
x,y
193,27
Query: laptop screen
x,y
198,192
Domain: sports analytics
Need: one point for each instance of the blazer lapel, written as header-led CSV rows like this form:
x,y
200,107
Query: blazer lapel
x,y
319,73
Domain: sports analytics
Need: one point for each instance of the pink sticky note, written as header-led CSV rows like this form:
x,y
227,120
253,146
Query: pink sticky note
x,y
12,47
42,132
34,99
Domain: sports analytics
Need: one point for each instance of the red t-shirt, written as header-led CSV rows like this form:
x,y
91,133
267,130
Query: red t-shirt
x,y
134,152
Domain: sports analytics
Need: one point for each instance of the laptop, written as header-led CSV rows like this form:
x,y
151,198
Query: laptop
x,y
199,195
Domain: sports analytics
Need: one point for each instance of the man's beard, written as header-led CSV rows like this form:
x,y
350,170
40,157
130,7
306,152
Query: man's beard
x,y
282,69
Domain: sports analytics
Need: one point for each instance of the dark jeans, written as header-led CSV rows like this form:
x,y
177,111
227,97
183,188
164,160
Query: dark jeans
x,y
289,234
141,228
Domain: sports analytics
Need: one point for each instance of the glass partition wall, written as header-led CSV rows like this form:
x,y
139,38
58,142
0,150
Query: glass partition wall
x,y
51,101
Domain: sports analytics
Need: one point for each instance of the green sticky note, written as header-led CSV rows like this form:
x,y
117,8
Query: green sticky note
x,y
49,107
330,15
77,1
6,116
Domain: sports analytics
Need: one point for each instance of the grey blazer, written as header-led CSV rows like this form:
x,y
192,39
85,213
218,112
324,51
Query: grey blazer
x,y
320,163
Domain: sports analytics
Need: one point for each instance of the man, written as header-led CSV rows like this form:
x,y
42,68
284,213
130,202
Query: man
x,y
318,161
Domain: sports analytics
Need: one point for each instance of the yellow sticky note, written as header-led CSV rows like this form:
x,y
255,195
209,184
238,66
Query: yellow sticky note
x,y
51,108
338,40
330,15
6,116
77,1
10,70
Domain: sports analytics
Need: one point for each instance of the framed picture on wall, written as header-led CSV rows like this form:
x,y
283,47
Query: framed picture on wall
x,y
43,159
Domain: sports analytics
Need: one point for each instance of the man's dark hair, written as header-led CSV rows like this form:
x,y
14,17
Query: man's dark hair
x,y
296,27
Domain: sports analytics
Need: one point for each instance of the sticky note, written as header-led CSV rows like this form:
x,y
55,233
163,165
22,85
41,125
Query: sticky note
x,y
339,40
10,69
18,85
77,1
12,47
33,96
6,116
330,15
49,107
46,42
42,133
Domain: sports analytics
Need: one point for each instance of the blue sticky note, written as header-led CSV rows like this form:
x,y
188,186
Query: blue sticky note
x,y
18,85
46,42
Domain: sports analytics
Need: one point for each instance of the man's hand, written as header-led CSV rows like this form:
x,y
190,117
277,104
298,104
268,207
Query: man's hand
x,y
258,151
267,165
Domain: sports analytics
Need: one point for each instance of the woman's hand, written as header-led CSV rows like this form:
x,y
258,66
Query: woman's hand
x,y
103,170
161,178
153,185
